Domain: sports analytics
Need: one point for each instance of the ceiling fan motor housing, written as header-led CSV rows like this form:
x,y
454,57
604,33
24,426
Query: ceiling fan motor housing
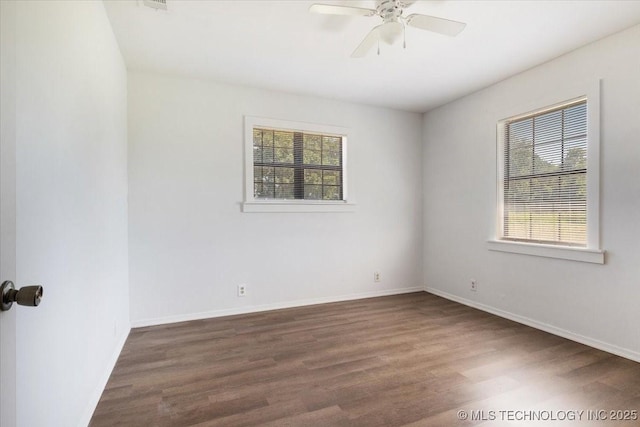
x,y
389,10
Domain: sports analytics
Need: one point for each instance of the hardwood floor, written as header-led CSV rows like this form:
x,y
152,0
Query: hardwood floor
x,y
406,360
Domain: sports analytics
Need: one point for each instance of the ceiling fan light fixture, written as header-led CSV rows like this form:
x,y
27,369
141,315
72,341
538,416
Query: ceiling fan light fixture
x,y
393,23
390,31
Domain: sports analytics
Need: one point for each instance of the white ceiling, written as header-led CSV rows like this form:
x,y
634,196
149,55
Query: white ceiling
x,y
280,45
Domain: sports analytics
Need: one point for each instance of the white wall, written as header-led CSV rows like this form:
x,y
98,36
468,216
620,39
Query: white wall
x,y
71,135
7,207
190,245
597,304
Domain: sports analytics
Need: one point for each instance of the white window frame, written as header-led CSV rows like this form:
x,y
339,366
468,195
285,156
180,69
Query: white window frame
x,y
251,204
592,253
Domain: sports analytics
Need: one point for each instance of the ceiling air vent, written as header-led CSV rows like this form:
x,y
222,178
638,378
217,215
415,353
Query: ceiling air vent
x,y
156,4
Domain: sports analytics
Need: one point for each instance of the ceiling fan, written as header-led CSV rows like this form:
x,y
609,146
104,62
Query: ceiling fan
x,y
393,22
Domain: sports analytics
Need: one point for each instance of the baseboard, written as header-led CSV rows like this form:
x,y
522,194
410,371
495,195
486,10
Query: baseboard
x,y
102,383
268,307
600,345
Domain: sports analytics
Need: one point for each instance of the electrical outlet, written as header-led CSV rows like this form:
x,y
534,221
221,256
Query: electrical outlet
x,y
376,277
242,290
474,285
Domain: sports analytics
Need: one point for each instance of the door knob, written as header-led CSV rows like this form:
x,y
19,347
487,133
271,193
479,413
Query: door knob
x,y
27,295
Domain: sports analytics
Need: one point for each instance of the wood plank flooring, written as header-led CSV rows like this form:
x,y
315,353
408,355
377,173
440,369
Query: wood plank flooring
x,y
406,360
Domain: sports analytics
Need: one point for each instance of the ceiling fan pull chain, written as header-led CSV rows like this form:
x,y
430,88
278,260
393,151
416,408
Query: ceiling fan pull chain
x,y
378,47
404,36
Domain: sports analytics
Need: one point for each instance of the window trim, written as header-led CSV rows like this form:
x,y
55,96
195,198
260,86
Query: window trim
x,y
251,204
555,98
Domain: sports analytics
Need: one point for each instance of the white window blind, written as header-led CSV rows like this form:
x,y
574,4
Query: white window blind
x,y
545,176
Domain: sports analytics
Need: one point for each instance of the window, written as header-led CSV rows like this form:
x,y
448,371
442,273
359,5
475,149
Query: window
x,y
545,176
294,167
549,175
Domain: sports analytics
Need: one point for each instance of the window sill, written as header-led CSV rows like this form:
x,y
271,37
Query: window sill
x,y
297,206
549,251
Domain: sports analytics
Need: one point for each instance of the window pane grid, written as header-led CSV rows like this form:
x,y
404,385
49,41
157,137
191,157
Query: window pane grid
x,y
545,177
297,165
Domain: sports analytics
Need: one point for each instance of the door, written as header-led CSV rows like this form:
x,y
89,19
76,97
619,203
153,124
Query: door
x,y
7,208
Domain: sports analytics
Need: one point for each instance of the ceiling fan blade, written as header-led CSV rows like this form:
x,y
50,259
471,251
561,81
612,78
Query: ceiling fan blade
x,y
366,44
341,10
435,24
